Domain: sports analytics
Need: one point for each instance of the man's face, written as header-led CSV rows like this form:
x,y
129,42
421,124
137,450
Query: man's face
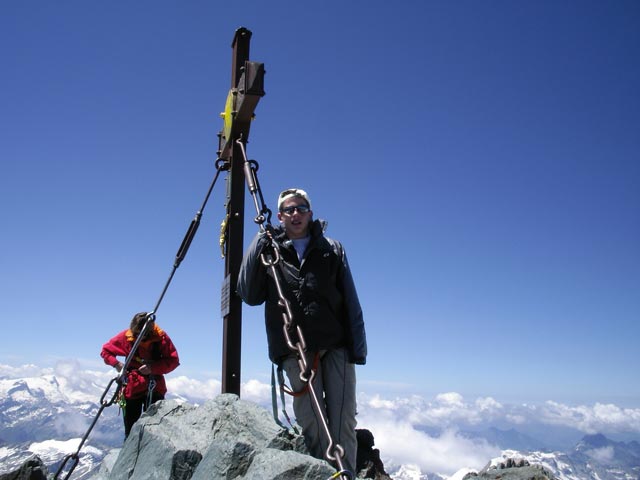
x,y
295,222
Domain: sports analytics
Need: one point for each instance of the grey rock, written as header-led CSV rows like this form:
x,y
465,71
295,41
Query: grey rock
x,y
31,469
368,463
184,463
226,438
513,463
512,469
107,465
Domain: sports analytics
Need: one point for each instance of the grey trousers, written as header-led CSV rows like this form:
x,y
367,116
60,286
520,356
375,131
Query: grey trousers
x,y
335,387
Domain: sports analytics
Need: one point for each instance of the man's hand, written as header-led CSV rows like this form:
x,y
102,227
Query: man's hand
x,y
145,370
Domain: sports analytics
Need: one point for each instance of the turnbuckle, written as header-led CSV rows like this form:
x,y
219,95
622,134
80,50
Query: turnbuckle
x,y
250,169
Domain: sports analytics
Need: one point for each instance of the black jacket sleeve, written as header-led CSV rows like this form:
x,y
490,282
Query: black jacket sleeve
x,y
252,278
355,320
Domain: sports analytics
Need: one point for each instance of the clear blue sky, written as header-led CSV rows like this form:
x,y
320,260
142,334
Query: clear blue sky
x,y
480,161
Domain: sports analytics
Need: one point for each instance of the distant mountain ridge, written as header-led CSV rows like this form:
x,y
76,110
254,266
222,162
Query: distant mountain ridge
x,y
595,457
509,439
42,408
47,415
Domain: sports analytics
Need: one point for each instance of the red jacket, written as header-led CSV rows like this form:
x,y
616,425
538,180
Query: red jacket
x,y
157,352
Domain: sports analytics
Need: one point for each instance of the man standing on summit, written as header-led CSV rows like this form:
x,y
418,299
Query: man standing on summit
x,y
316,279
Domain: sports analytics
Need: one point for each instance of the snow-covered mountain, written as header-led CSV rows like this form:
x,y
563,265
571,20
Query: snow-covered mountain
x,y
52,453
48,416
595,457
41,408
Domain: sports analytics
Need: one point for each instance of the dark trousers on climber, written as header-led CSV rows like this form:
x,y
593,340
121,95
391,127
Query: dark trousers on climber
x,y
135,407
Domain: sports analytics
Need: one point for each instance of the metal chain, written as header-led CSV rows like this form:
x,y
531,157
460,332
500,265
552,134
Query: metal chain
x,y
270,257
121,379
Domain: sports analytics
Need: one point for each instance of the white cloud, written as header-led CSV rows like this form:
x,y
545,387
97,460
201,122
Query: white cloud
x,y
196,390
601,455
257,392
8,371
452,410
399,427
488,404
596,419
516,419
67,368
402,443
448,410
199,391
450,399
410,428
378,402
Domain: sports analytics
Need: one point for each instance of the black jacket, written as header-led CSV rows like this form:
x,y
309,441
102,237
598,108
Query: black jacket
x,y
320,290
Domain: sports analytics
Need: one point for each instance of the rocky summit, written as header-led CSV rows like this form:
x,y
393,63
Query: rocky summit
x,y
222,439
31,469
512,469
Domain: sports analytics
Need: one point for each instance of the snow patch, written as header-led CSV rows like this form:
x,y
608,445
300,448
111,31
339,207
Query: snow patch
x,y
50,448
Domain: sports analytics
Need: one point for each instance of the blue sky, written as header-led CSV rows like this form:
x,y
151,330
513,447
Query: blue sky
x,y
479,161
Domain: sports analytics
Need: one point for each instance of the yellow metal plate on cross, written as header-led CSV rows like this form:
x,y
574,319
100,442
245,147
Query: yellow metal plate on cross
x,y
229,113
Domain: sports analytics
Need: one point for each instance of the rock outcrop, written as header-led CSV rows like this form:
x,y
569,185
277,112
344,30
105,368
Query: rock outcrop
x,y
32,469
224,438
369,464
512,469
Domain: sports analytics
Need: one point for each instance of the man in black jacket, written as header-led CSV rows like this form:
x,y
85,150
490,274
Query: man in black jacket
x,y
317,282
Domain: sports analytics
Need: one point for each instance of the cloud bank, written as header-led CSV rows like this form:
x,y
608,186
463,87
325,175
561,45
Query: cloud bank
x,y
431,433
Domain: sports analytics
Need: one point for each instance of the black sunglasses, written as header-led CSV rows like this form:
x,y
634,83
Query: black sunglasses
x,y
290,210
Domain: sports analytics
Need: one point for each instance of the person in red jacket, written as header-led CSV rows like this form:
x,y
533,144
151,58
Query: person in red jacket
x,y
155,356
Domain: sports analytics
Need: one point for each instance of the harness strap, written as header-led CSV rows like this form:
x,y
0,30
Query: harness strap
x,y
274,398
288,390
274,401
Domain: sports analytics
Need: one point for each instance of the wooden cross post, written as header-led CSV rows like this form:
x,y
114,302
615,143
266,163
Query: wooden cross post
x,y
247,87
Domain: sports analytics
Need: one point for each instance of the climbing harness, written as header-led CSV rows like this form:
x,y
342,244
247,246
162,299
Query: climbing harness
x,y
122,402
270,258
288,390
120,380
